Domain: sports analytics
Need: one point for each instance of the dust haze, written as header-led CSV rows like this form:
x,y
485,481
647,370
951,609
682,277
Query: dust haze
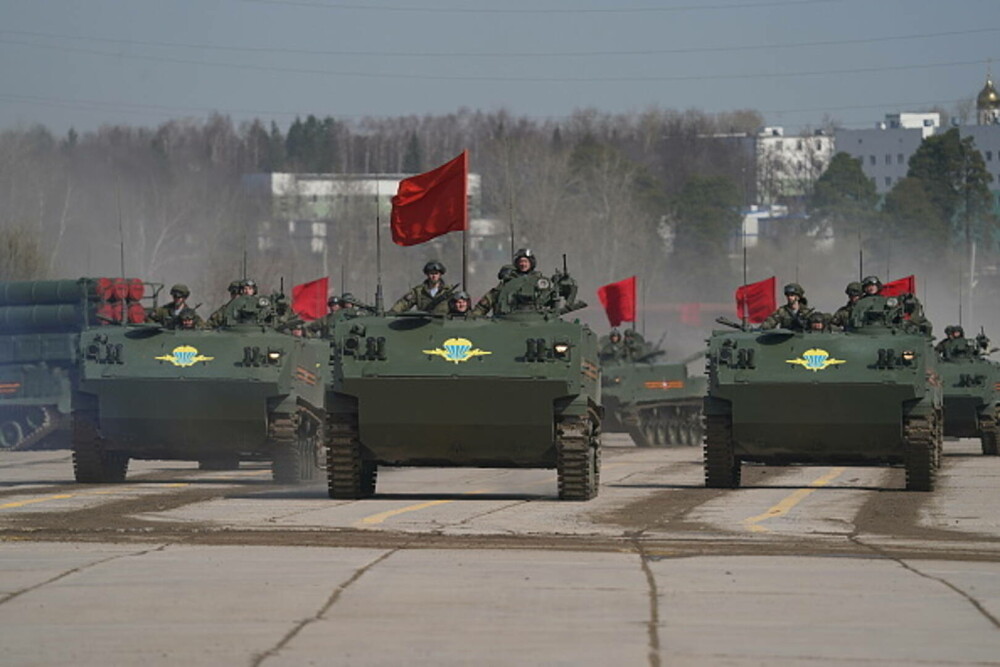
x,y
172,204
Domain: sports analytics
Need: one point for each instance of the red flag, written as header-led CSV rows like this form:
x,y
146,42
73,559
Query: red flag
x,y
756,300
309,299
907,285
432,204
618,300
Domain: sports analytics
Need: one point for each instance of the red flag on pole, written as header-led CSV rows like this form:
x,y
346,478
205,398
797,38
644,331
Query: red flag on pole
x,y
432,204
756,300
907,285
309,299
618,300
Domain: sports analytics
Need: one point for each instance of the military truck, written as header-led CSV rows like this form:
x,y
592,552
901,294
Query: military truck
x,y
970,384
656,403
244,392
520,389
40,325
868,396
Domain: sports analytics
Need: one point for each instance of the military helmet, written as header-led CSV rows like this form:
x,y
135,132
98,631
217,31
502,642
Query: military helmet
x,y
854,289
187,314
958,330
180,290
234,287
434,266
347,299
615,332
249,282
817,316
871,280
794,288
506,272
461,294
525,252
948,330
333,301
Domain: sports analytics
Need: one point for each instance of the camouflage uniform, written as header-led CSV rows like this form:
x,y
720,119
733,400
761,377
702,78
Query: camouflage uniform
x,y
488,303
612,350
218,318
420,297
955,347
842,317
167,315
786,318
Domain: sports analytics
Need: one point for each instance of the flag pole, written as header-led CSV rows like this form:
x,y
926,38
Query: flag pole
x,y
746,308
465,227
379,305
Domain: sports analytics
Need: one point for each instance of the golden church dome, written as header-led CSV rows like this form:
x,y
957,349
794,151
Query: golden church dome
x,y
988,97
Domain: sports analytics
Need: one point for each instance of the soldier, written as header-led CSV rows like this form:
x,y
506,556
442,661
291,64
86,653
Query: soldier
x,y
248,287
954,345
430,296
525,262
793,314
460,304
871,285
489,301
166,315
818,322
216,319
843,314
324,325
187,319
636,346
613,349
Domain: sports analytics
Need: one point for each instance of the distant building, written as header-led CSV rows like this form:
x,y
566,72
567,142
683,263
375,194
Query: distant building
x,y
885,150
789,166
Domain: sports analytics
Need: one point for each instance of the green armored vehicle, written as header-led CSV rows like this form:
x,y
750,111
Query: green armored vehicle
x,y
970,383
517,390
656,403
868,396
243,392
40,324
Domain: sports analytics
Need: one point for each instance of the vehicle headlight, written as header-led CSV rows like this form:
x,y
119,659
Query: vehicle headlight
x,y
908,355
561,349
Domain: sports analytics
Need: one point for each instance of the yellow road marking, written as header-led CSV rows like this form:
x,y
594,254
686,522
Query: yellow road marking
x,y
382,516
786,505
379,518
22,503
64,496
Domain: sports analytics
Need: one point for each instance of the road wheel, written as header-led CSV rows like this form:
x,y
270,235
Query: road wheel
x,y
722,468
11,434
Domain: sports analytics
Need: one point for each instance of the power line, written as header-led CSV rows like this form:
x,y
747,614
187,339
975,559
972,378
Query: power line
x,y
503,79
503,10
501,54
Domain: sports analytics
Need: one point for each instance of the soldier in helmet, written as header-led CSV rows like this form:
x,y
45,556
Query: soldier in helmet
x,y
217,319
840,318
525,262
166,315
954,345
431,295
489,301
793,314
460,304
613,348
818,322
187,319
324,325
871,286
248,287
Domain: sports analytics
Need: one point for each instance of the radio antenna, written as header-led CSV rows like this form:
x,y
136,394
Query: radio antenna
x,y
379,305
121,239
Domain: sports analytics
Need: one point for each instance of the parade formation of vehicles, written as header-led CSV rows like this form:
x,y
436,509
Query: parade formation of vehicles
x,y
520,389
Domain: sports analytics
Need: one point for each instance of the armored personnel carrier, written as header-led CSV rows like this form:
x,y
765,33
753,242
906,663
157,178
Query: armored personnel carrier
x,y
868,396
520,389
40,325
970,385
656,403
244,392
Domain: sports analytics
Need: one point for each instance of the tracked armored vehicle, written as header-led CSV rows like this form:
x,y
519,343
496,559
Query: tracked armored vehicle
x,y
656,403
244,392
40,325
869,396
517,390
970,384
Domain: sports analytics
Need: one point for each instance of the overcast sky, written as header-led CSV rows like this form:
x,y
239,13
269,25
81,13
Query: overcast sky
x,y
84,63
